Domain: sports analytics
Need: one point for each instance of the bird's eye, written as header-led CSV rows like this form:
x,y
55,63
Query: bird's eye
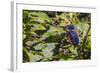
x,y
73,30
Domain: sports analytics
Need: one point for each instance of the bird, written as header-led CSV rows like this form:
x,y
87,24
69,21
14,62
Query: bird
x,y
72,35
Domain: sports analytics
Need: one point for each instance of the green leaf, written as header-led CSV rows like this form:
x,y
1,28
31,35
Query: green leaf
x,y
47,53
29,43
50,32
36,58
84,26
40,46
33,32
63,16
53,32
25,56
88,42
24,36
38,27
25,17
40,17
60,31
63,23
73,50
32,57
51,46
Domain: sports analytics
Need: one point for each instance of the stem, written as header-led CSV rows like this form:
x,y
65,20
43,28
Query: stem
x,y
84,42
85,38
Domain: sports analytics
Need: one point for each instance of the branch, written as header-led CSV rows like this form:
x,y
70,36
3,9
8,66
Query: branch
x,y
85,37
84,42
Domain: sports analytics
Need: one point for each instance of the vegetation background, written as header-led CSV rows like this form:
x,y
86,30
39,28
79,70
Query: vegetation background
x,y
45,39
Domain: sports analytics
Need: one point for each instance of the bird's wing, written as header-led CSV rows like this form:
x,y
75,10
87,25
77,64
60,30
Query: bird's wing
x,y
74,38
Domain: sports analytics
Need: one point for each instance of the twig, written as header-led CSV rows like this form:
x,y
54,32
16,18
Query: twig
x,y
85,38
84,41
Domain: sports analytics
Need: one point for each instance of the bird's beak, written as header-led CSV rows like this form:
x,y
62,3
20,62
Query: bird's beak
x,y
67,30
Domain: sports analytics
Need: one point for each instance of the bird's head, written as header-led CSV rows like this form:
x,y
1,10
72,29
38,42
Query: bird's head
x,y
70,28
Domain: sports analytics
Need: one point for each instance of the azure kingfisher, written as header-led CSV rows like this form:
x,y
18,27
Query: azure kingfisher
x,y
72,35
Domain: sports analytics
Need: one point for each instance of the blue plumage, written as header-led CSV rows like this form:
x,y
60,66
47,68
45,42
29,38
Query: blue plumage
x,y
72,35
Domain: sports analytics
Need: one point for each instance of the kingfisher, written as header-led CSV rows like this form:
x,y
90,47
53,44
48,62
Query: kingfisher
x,y
72,35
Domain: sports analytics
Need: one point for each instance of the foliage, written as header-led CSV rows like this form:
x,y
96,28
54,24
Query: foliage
x,y
45,39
